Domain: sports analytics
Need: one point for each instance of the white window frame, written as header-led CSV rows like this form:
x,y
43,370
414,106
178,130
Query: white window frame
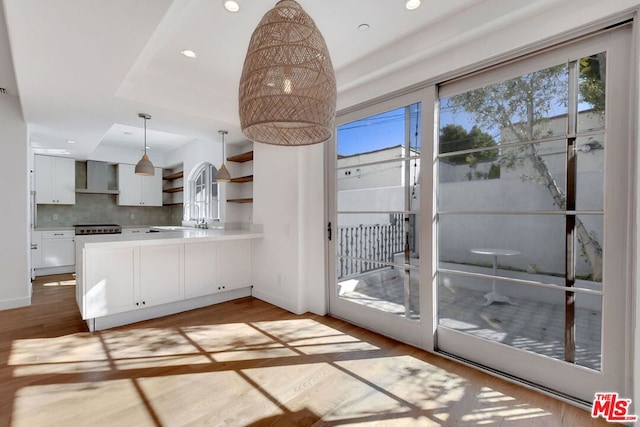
x,y
209,208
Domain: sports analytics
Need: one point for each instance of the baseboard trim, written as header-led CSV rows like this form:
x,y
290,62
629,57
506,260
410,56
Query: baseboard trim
x,y
47,271
15,303
139,315
275,300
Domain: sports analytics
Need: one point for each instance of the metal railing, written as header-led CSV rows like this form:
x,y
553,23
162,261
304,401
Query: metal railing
x,y
360,246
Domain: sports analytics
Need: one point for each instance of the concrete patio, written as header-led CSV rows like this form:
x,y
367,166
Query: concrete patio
x,y
532,324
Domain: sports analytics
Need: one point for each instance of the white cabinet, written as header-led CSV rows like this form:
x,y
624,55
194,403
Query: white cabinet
x,y
110,281
118,280
57,248
234,260
136,190
212,267
55,180
161,274
124,279
201,269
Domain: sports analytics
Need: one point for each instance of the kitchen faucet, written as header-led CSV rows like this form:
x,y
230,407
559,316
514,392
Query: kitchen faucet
x,y
200,222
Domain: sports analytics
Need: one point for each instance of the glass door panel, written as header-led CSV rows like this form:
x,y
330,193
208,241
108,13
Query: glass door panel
x,y
377,173
522,241
374,250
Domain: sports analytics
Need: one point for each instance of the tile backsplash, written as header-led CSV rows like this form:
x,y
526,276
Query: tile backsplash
x,y
103,208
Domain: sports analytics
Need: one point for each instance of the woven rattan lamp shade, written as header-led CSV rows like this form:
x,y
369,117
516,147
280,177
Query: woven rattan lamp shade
x,y
288,87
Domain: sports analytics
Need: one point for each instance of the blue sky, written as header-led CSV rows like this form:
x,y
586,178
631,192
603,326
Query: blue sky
x,y
376,132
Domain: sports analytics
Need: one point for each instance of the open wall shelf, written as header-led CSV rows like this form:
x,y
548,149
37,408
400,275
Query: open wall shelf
x,y
242,157
174,190
242,179
173,176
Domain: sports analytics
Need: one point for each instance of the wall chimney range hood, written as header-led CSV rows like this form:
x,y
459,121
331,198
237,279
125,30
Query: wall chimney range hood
x,y
97,179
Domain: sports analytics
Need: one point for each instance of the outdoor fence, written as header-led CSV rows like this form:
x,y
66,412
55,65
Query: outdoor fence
x,y
360,246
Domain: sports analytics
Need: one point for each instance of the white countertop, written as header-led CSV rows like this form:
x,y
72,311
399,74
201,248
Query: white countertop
x,y
164,237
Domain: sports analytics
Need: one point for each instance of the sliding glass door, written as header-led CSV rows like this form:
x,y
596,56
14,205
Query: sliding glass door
x,y
533,183
375,215
488,217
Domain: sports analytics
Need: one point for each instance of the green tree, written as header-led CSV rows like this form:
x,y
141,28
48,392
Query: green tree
x,y
593,74
520,108
457,138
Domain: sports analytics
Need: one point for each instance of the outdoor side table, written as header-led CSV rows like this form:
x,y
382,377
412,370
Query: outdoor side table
x,y
494,296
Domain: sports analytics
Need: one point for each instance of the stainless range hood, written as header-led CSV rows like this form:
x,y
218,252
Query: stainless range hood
x,y
97,179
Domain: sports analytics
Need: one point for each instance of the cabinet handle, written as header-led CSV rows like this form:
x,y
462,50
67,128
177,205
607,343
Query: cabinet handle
x,y
143,302
58,234
137,303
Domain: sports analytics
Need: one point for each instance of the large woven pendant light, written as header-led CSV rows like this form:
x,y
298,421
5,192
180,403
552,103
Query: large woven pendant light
x,y
144,166
288,87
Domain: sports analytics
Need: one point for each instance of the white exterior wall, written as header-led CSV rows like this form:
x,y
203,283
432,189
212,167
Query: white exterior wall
x,y
356,173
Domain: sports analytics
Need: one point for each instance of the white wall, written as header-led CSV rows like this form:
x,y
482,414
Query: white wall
x,y
15,285
288,264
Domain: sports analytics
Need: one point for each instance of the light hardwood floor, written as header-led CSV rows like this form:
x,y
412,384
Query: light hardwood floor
x,y
241,363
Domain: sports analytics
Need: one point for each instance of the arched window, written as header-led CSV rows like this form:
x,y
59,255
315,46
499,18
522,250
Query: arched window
x,y
202,197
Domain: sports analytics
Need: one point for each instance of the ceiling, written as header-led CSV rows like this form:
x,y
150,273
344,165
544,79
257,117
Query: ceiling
x,y
84,69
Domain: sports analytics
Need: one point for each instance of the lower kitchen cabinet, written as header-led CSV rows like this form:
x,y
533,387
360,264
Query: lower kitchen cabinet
x,y
212,267
58,248
234,260
125,279
122,279
53,251
161,274
201,269
110,281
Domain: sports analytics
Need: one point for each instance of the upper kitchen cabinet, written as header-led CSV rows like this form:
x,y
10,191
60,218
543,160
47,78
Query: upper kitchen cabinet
x,y
55,180
136,190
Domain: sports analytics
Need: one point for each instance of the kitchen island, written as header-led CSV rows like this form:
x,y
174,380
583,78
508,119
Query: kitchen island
x,y
127,278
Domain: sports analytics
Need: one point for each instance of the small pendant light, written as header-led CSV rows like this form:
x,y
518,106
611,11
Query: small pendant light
x,y
223,174
144,166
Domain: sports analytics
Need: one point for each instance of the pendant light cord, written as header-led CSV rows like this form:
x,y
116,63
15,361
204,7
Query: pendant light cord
x,y
145,135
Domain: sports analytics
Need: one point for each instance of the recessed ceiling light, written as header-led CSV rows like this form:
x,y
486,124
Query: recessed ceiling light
x,y
189,53
70,141
412,4
363,27
231,5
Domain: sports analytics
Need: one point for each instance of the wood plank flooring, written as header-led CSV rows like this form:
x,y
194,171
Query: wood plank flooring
x,y
241,363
